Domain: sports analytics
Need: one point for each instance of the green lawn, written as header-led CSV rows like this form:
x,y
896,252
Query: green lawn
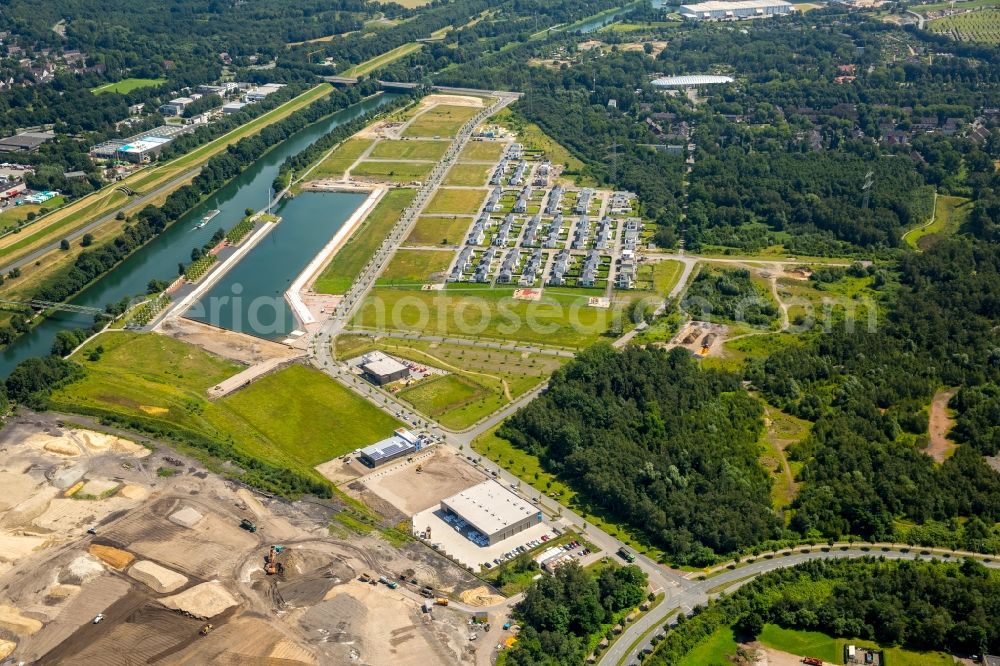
x,y
482,151
456,201
559,318
415,267
821,646
439,231
379,61
472,175
410,150
15,214
441,121
713,651
294,418
442,394
341,159
126,86
949,214
665,276
338,275
393,171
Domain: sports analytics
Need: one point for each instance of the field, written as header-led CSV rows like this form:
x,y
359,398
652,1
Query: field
x,y
338,275
16,214
439,231
970,4
981,26
379,61
489,378
456,201
559,318
949,214
533,138
481,151
287,419
713,651
415,267
392,171
410,150
472,175
126,86
341,159
815,644
665,276
441,120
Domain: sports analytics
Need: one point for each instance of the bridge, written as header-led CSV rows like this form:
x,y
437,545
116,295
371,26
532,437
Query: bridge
x,y
126,190
49,305
341,80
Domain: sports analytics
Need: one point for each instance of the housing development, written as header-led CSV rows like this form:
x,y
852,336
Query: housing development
x,y
499,333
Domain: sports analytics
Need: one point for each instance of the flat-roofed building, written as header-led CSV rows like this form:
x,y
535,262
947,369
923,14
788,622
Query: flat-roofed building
x,y
25,142
402,443
716,10
493,510
380,369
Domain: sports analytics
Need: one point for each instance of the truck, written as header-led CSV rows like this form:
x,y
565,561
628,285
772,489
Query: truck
x,y
248,525
441,601
626,554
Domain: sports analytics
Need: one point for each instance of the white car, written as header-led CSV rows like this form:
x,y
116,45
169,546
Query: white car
x,y
100,616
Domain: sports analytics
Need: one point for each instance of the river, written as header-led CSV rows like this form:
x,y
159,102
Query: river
x,y
160,257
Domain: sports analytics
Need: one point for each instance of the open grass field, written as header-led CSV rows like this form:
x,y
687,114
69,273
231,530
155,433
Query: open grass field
x,y
809,302
81,212
440,395
294,418
665,276
472,175
410,150
443,120
379,61
782,431
558,319
415,267
949,214
624,26
815,644
439,231
340,160
338,275
965,4
533,138
126,86
981,26
713,651
16,214
456,201
392,171
481,151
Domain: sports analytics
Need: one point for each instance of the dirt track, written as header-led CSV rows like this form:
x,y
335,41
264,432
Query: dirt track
x,y
940,423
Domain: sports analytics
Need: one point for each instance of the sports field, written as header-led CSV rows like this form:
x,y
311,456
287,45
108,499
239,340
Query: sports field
x,y
392,171
410,150
456,201
443,120
337,162
439,231
409,267
473,175
338,275
294,418
126,86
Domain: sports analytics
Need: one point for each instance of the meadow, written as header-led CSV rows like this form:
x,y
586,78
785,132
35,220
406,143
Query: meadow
x,y
126,86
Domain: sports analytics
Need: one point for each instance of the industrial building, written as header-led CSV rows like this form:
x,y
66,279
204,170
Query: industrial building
x,y
141,147
261,92
175,107
233,107
715,10
25,142
402,443
492,510
691,81
380,369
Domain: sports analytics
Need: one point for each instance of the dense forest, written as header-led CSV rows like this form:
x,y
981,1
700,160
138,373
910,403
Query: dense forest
x,y
650,439
918,605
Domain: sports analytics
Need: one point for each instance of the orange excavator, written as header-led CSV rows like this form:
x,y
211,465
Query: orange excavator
x,y
271,564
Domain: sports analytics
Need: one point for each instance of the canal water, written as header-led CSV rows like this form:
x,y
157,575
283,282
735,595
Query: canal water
x,y
159,258
250,297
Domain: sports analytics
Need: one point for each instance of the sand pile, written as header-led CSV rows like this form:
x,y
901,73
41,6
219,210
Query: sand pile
x,y
99,442
16,488
15,546
61,591
6,647
28,509
97,487
155,577
480,596
202,601
133,492
12,620
62,447
81,570
113,557
186,517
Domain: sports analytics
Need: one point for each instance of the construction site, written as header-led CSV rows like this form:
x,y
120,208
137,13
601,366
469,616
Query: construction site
x,y
115,554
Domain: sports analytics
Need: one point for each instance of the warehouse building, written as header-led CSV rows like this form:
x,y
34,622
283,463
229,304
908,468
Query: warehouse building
x,y
380,369
402,443
141,147
25,142
175,107
494,511
714,10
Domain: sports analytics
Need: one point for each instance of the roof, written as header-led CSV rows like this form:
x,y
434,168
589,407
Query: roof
x,y
384,366
142,145
490,507
717,5
693,79
400,442
27,140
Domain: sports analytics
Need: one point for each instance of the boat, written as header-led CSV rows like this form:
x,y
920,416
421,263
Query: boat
x,y
208,218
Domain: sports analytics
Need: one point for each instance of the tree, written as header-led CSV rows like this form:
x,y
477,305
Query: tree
x,y
64,245
87,240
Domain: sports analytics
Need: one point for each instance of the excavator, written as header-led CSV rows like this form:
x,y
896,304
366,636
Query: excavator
x,y
271,564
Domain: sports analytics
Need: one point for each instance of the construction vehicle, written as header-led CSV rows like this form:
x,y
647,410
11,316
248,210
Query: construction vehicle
x,y
812,661
626,555
248,525
441,601
393,585
365,578
427,592
420,468
271,564
204,630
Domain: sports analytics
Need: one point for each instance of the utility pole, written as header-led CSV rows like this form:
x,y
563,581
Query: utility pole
x,y
867,189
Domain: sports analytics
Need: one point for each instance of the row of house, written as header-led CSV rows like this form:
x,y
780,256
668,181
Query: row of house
x,y
530,236
502,236
554,204
531,269
630,236
478,232
582,234
603,239
542,174
588,274
462,264
557,276
508,266
482,273
517,178
493,203
552,234
521,205
625,277
583,201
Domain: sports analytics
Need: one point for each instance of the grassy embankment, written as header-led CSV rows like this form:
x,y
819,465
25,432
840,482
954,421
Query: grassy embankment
x,y
126,86
379,61
949,214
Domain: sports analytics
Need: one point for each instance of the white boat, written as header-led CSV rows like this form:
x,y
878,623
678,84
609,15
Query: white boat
x,y
208,218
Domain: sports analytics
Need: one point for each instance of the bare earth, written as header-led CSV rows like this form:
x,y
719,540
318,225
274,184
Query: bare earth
x,y
940,423
442,475
228,344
